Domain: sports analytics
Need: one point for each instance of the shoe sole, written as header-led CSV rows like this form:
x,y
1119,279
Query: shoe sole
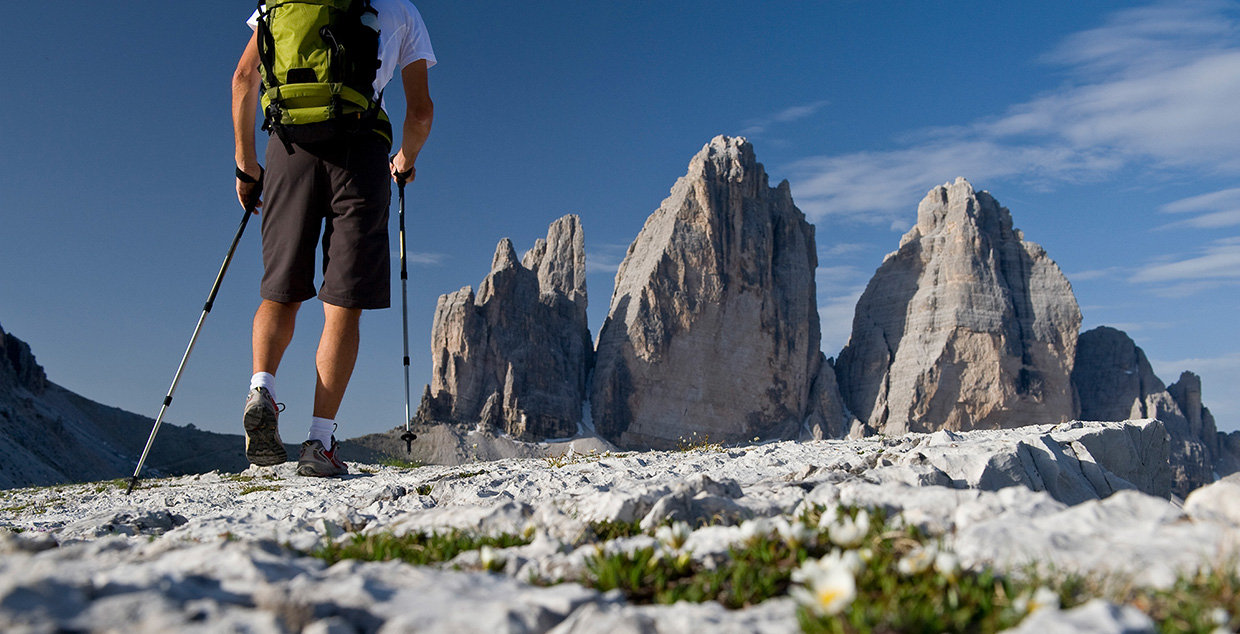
x,y
263,446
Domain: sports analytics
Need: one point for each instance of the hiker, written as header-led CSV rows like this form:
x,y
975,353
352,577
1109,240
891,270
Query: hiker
x,y
330,176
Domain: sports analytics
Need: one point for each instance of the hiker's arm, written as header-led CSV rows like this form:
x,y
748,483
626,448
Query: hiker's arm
x,y
419,112
245,86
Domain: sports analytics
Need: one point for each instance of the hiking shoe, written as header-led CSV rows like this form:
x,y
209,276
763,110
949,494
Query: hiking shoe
x,y
320,463
263,446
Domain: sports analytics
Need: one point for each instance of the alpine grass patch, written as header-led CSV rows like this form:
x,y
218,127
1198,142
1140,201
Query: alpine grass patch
x,y
419,549
400,463
255,488
853,571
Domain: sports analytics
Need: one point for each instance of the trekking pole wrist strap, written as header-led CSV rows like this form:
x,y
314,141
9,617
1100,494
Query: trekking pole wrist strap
x,y
250,180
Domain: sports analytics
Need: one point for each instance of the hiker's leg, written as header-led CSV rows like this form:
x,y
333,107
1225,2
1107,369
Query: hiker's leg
x,y
336,357
273,330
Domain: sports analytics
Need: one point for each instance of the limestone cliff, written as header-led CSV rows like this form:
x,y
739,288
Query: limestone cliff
x,y
713,328
517,355
966,326
1116,382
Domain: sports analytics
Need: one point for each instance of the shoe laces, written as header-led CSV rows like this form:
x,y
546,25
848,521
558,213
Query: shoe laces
x,y
279,406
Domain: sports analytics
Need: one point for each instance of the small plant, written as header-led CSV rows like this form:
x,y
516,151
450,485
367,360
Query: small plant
x,y
470,474
570,457
609,530
255,488
400,463
117,484
414,548
423,489
694,443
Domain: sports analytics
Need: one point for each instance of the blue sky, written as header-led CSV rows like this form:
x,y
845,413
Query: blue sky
x,y
1108,128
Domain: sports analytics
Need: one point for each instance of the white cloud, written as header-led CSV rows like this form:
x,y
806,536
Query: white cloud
x,y
605,258
1218,262
1214,210
424,259
799,112
836,318
1096,274
787,115
1154,87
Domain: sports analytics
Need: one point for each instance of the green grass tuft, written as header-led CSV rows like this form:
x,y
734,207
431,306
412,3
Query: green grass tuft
x,y
400,463
415,548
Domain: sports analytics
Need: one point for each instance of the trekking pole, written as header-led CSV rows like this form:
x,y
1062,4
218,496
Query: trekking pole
x,y
408,436
215,288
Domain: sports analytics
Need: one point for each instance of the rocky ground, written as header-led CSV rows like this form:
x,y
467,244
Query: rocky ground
x,y
229,552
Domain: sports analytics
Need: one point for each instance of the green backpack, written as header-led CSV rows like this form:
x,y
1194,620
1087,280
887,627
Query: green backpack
x,y
318,60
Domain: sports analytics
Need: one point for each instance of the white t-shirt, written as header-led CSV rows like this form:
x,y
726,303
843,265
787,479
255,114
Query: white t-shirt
x,y
403,39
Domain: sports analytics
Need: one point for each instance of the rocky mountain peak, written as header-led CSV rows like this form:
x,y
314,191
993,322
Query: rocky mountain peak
x,y
956,206
713,329
517,355
966,326
18,366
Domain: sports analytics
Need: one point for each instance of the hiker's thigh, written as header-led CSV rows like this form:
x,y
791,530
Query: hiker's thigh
x,y
294,202
357,260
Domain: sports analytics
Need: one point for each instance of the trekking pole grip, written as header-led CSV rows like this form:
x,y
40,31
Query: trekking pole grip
x,y
401,177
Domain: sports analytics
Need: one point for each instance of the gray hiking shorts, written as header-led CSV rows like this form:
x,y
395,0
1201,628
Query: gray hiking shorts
x,y
338,188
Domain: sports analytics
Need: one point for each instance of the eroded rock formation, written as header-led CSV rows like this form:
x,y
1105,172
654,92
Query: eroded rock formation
x,y
1116,382
966,326
516,355
713,329
18,367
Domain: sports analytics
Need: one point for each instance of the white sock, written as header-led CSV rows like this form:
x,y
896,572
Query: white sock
x,y
264,380
321,430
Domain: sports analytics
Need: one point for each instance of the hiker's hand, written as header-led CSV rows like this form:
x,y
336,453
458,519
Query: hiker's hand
x,y
249,193
402,168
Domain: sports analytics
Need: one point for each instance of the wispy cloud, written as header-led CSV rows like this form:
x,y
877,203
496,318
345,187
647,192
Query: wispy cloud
x,y
605,258
796,113
1153,87
423,259
1218,261
787,115
1213,210
1110,272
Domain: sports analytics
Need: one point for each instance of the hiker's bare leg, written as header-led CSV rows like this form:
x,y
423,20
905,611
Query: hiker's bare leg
x,y
273,330
336,356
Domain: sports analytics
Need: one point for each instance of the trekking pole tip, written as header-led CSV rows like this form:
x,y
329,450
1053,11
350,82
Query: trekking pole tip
x,y
133,482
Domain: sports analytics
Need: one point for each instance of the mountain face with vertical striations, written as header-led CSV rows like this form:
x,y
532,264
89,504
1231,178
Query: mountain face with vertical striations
x,y
966,326
53,436
1116,382
713,328
516,356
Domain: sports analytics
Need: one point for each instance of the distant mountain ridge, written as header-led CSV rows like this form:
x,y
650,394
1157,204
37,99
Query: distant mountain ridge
x,y
55,436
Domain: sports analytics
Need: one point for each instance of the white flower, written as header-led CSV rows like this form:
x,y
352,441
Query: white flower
x,y
947,564
845,531
796,534
1220,617
811,568
1041,598
490,559
755,529
674,536
918,561
827,591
